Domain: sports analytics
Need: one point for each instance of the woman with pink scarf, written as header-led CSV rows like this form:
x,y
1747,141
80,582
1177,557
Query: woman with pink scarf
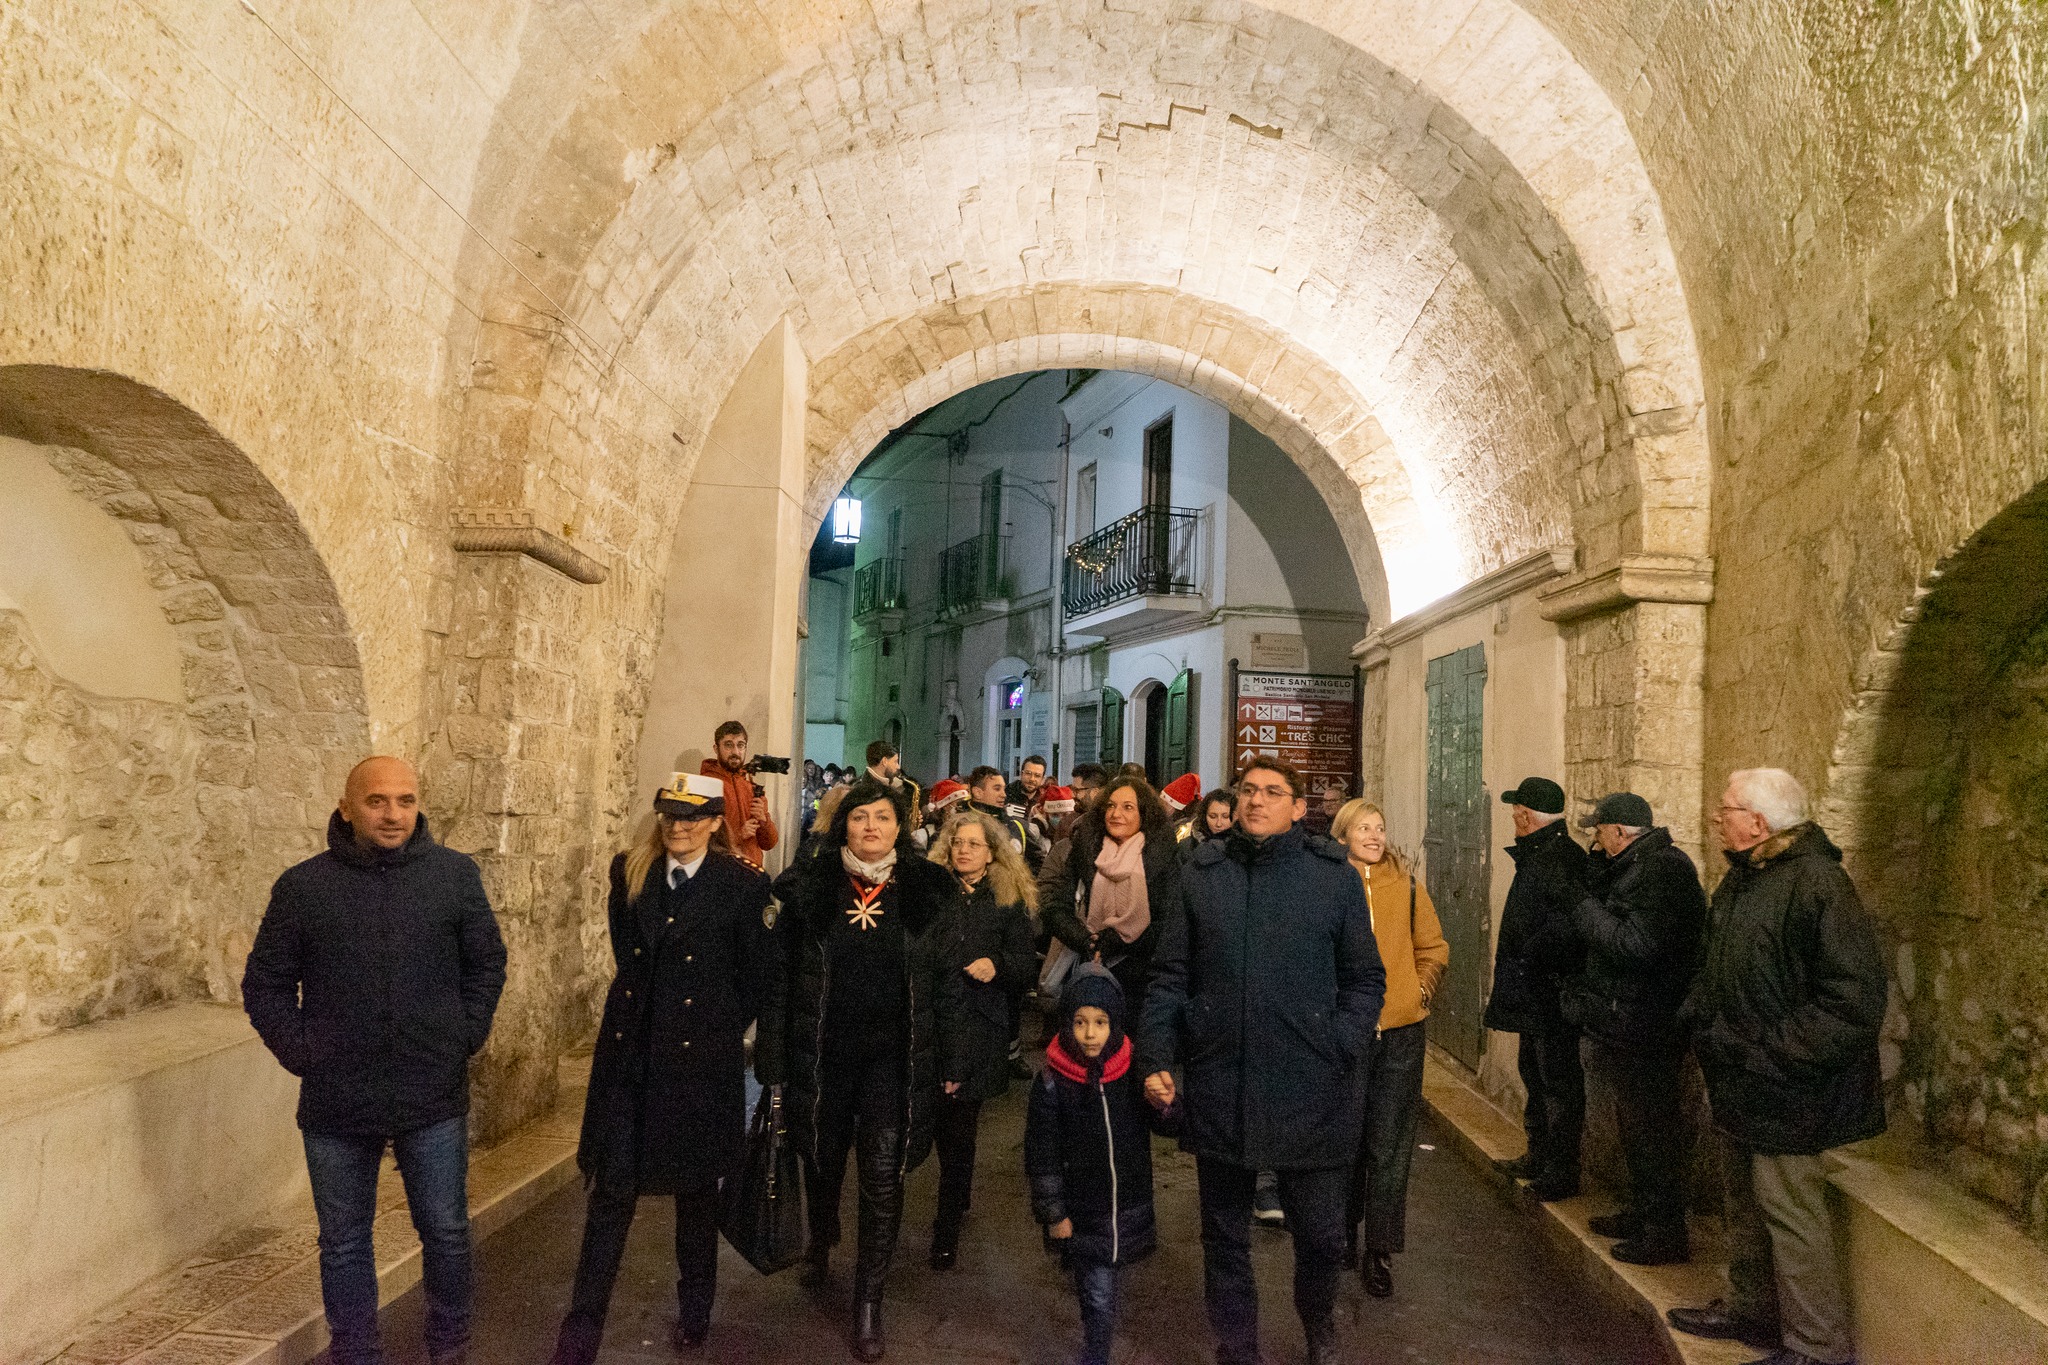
x,y
1120,863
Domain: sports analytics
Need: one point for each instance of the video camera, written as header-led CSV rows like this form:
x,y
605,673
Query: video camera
x,y
764,763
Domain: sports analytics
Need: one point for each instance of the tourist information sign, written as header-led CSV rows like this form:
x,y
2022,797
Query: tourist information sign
x,y
1309,721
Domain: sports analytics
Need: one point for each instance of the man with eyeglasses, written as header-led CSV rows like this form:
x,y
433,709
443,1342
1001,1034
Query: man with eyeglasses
x,y
1266,988
1784,1012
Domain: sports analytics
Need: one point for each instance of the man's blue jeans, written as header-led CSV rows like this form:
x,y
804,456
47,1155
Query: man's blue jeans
x,y
434,1162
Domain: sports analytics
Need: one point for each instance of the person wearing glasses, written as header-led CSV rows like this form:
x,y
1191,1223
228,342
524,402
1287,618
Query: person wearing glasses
x,y
1785,1013
1266,986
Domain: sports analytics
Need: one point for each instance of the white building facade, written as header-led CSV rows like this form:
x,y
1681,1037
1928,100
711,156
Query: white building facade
x,y
1067,564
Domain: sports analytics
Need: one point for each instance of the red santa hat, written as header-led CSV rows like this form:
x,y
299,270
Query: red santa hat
x,y
1056,800
1182,792
947,792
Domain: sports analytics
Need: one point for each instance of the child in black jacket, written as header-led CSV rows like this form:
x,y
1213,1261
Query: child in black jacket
x,y
1088,1151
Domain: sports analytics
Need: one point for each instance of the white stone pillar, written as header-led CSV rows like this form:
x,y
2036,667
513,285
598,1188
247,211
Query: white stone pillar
x,y
729,632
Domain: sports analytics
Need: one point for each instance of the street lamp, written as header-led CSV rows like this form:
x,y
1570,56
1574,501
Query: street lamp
x,y
846,521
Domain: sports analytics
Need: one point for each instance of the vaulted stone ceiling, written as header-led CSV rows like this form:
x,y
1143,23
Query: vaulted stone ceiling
x,y
1473,329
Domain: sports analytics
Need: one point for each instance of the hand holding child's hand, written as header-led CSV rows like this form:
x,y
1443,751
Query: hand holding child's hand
x,y
1159,1089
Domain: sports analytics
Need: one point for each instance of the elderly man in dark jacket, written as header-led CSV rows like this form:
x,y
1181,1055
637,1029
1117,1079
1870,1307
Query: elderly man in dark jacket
x,y
1785,1014
1539,947
1641,924
373,979
1266,988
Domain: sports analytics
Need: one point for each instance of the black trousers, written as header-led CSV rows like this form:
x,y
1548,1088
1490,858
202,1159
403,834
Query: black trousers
x,y
1386,1148
954,1128
862,1100
606,1220
1649,1110
1314,1204
1555,1115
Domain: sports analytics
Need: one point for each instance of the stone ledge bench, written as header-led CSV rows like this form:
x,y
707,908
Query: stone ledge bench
x,y
156,1167
1935,1275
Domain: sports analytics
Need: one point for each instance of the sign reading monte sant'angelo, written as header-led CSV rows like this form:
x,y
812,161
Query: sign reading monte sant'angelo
x,y
1306,720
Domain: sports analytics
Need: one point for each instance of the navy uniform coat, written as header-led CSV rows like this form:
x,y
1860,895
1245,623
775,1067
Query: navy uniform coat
x,y
667,1103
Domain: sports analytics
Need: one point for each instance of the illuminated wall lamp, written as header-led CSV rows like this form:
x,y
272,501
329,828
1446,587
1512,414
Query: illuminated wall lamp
x,y
846,521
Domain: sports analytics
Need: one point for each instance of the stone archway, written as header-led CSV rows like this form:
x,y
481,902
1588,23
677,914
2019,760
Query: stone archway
x,y
1937,790
244,766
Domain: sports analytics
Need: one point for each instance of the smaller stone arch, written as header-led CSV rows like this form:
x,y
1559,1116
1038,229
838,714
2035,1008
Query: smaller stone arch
x,y
1937,790
245,768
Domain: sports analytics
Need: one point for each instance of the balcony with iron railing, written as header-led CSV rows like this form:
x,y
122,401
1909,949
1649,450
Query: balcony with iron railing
x,y
878,589
1135,571
970,578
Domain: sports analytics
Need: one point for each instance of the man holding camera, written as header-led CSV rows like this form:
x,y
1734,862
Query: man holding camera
x,y
748,825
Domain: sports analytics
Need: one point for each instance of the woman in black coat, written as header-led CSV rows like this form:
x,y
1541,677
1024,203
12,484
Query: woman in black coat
x,y
850,1028
666,1112
1090,907
985,941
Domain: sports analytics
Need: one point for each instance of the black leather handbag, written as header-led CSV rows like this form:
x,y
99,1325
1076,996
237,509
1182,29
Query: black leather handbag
x,y
762,1214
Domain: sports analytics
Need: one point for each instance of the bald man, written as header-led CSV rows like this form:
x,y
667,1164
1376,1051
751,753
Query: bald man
x,y
373,979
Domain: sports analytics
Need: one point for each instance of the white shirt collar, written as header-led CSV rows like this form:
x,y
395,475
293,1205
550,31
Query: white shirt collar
x,y
689,868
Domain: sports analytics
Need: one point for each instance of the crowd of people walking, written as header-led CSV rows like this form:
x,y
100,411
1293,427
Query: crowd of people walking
x,y
1214,967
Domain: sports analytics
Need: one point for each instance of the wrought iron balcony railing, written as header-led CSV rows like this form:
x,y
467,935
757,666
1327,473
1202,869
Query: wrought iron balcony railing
x,y
1150,553
878,586
968,574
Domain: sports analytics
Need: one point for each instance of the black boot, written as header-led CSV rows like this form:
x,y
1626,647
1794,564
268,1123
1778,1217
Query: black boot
x,y
578,1342
867,1330
1656,1244
945,1247
817,1272
1378,1273
1350,1261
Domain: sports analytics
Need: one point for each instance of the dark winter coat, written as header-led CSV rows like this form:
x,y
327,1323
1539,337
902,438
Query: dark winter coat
x,y
1641,921
667,1104
373,979
789,1047
1789,998
1068,881
1539,945
975,1042
1088,1153
1266,989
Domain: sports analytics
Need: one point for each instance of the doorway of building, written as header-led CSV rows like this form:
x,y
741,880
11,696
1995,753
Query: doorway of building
x,y
1151,698
1458,847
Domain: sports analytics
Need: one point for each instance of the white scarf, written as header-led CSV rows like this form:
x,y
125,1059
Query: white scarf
x,y
874,873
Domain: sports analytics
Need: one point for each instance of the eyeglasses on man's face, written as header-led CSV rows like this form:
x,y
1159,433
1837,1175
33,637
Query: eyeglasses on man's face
x,y
1278,791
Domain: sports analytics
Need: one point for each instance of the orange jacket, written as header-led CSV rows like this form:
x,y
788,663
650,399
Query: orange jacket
x,y
1414,952
739,803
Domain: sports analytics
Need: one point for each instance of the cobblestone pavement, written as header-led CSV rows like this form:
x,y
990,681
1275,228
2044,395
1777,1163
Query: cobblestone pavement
x,y
1478,1286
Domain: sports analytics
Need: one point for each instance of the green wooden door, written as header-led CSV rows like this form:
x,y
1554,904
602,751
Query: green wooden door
x,y
1459,846
1179,746
1112,744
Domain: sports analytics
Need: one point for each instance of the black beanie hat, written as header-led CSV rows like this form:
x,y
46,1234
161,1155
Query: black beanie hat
x,y
1092,984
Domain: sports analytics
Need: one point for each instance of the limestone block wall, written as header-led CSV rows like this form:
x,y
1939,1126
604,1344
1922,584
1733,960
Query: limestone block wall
x,y
98,873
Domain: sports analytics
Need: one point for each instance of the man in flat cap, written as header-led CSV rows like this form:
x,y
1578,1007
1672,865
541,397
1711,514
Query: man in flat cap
x,y
1539,946
1641,920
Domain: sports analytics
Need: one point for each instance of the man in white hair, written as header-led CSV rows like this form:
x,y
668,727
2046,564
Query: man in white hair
x,y
1784,1016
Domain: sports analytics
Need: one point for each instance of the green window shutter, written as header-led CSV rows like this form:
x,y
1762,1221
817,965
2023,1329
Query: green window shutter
x,y
1179,748
1112,751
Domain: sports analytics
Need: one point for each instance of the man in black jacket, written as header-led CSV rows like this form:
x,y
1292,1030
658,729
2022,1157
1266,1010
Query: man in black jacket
x,y
1641,924
1785,1013
1266,988
373,979
1539,946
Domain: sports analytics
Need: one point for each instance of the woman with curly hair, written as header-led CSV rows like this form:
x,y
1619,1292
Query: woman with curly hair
x,y
1120,865
984,939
